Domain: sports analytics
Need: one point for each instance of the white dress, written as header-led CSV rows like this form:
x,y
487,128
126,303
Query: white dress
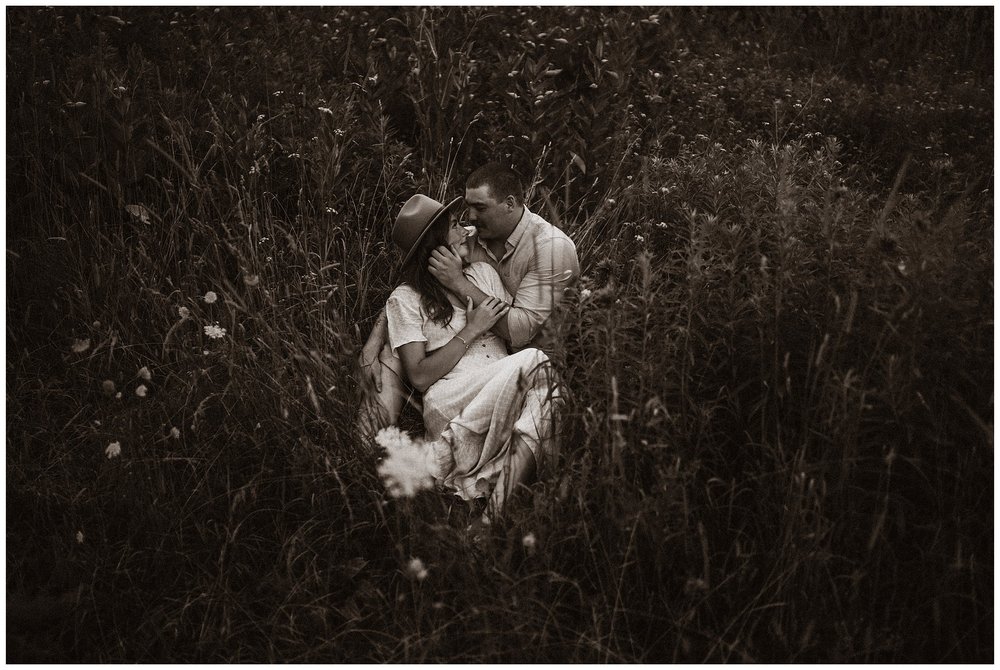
x,y
488,397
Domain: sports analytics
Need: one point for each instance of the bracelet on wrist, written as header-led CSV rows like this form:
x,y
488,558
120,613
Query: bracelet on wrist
x,y
462,340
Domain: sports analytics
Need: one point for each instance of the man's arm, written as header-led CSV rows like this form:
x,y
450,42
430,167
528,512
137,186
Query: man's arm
x,y
371,369
446,267
554,267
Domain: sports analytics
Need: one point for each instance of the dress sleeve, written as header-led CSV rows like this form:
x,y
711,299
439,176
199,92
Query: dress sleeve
x,y
404,318
488,281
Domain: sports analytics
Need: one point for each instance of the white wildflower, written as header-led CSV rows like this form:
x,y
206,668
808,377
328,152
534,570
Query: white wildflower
x,y
416,569
141,390
79,537
409,465
144,373
183,312
325,110
210,297
215,332
79,346
175,433
529,541
251,280
113,450
118,396
585,293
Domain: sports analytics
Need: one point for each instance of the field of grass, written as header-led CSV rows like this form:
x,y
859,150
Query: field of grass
x,y
778,437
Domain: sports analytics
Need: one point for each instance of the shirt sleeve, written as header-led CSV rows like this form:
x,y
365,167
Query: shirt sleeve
x,y
554,267
404,319
486,279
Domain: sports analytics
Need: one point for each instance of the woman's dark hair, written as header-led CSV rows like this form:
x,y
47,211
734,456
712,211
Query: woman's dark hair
x,y
433,296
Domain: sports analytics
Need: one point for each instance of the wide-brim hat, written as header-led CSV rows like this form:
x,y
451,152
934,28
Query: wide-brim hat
x,y
414,220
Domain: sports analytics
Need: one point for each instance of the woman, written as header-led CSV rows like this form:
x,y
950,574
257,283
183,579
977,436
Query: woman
x,y
490,413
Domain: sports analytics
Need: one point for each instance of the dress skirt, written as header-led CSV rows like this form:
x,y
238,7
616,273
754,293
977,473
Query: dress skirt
x,y
473,413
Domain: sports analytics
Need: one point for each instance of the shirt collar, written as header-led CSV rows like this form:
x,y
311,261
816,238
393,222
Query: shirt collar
x,y
515,235
518,232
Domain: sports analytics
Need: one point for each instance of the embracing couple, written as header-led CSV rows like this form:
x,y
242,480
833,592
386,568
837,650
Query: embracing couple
x,y
465,327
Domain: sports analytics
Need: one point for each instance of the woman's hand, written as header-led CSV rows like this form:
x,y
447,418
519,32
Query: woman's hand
x,y
480,319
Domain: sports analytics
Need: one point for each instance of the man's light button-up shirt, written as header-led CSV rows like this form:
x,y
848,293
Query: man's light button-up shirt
x,y
538,264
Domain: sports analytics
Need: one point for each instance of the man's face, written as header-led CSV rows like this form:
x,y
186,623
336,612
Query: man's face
x,y
488,215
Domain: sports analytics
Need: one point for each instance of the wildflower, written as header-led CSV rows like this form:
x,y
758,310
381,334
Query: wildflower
x,y
175,433
251,280
184,312
325,110
210,297
640,238
215,332
79,346
409,466
415,569
113,450
108,387
145,374
79,537
611,201
901,267
585,293
694,585
118,396
141,390
529,541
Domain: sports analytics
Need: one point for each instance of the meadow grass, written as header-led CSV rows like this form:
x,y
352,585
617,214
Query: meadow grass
x,y
777,437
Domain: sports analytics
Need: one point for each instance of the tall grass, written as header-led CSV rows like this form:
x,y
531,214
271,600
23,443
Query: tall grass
x,y
777,440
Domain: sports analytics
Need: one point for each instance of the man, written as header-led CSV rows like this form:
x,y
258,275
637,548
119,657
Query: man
x,y
535,260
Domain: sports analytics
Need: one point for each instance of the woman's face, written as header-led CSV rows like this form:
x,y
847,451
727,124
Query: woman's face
x,y
458,236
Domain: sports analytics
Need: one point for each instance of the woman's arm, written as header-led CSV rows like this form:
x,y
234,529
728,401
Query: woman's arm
x,y
423,369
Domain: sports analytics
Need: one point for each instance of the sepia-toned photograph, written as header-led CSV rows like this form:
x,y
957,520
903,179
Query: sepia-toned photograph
x,y
499,334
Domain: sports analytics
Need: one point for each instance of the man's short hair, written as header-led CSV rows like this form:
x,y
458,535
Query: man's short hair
x,y
502,181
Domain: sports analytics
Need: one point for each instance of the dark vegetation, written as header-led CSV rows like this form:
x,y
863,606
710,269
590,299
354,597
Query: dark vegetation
x,y
778,442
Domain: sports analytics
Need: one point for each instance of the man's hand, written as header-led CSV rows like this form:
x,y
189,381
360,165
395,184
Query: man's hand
x,y
446,266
